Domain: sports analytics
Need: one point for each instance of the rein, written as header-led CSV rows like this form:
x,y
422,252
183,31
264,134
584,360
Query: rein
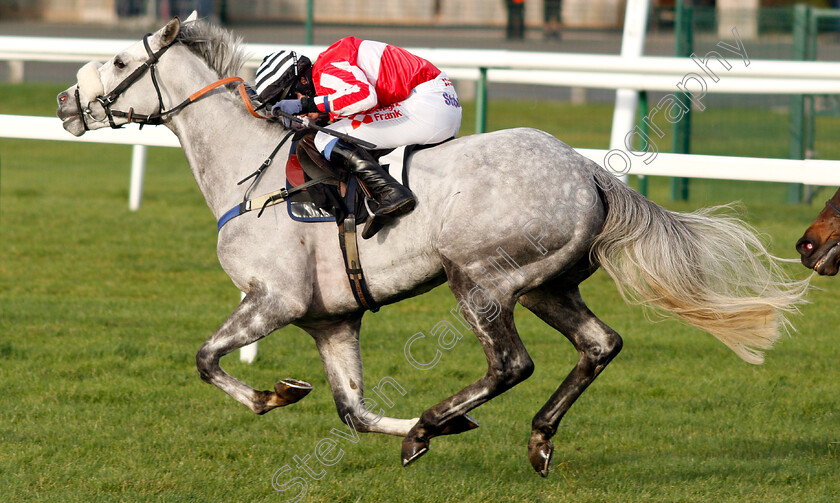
x,y
107,101
243,93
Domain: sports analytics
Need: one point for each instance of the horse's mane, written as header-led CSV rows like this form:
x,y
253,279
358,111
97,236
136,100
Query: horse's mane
x,y
219,48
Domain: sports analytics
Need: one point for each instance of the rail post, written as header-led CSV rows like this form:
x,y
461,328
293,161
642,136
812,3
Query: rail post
x,y
801,15
643,111
481,101
138,174
684,42
309,24
248,353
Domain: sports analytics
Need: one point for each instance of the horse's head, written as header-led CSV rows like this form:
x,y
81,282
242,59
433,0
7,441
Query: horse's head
x,y
820,246
114,93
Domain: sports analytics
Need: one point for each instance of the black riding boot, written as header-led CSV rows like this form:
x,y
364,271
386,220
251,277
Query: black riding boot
x,y
394,199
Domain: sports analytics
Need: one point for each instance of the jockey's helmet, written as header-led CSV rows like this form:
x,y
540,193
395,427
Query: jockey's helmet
x,y
278,77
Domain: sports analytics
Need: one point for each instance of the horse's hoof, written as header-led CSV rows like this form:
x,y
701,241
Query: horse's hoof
x,y
459,424
291,390
413,448
539,454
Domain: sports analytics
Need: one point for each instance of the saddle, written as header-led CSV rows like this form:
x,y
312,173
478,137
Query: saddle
x,y
341,194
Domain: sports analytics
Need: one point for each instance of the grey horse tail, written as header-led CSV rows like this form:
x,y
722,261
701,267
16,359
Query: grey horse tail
x,y
709,268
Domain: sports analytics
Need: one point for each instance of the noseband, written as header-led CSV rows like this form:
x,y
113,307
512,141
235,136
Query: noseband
x,y
155,118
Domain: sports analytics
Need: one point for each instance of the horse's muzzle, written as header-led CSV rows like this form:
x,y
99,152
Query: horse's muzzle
x,y
823,258
69,113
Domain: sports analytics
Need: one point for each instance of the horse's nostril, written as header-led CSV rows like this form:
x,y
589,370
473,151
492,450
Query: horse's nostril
x,y
805,246
62,98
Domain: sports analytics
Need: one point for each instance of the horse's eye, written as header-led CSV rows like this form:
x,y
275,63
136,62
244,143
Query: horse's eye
x,y
119,63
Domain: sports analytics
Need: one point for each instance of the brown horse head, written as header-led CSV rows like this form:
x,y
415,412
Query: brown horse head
x,y
820,246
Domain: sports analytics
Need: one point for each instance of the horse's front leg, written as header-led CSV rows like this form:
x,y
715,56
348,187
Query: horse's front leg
x,y
338,345
259,314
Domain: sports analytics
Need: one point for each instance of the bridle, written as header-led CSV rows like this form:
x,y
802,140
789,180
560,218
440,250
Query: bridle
x,y
107,101
833,206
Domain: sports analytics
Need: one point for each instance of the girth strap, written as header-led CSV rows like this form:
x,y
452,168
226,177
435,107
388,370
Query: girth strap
x,y
349,242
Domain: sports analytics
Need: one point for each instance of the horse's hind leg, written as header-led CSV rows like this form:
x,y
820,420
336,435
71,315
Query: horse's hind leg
x,y
508,363
257,316
338,345
563,308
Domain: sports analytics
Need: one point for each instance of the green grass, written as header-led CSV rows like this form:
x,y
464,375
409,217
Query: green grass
x,y
102,310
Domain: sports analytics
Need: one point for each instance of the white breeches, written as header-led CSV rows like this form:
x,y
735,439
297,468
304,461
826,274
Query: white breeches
x,y
430,114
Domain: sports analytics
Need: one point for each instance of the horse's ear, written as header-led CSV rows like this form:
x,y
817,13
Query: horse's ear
x,y
169,32
192,17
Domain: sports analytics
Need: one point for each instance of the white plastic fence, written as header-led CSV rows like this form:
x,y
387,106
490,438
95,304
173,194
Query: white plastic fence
x,y
810,171
596,71
27,127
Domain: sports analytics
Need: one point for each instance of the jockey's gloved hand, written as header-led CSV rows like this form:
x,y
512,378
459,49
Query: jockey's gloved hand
x,y
293,107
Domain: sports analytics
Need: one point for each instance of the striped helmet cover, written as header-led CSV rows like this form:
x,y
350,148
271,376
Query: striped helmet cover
x,y
278,74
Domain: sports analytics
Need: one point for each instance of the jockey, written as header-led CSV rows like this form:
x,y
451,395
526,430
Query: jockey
x,y
373,91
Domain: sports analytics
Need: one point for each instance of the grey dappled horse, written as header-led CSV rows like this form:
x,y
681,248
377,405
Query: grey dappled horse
x,y
504,217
